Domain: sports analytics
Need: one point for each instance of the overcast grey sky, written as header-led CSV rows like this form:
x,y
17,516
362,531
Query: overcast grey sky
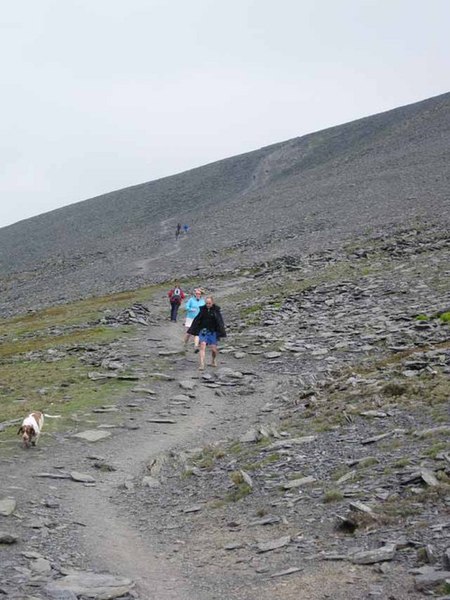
x,y
97,95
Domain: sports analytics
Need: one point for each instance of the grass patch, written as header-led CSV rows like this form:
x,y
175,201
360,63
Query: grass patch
x,y
97,335
207,458
67,390
445,317
436,449
333,496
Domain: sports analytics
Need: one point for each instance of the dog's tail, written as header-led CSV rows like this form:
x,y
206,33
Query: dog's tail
x,y
52,416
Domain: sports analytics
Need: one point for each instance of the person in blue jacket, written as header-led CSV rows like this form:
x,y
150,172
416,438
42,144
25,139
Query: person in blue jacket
x,y
192,308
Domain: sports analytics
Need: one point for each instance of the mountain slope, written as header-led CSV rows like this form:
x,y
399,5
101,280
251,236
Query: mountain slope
x,y
297,196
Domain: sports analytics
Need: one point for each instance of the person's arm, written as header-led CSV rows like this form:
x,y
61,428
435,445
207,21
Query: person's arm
x,y
194,329
220,324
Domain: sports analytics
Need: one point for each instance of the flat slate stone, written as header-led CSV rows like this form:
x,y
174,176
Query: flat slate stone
x,y
82,477
7,538
151,482
53,475
296,483
369,557
41,566
92,585
92,435
188,385
273,544
162,377
271,355
7,506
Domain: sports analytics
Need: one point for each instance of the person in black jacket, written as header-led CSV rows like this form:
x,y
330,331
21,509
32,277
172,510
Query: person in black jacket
x,y
209,327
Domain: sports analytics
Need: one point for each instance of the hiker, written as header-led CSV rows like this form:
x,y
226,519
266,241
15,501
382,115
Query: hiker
x,y
209,327
176,296
178,231
185,228
192,308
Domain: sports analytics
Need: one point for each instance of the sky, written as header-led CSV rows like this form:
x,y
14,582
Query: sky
x,y
97,95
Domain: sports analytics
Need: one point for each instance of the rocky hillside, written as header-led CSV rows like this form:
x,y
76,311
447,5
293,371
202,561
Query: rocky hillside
x,y
292,198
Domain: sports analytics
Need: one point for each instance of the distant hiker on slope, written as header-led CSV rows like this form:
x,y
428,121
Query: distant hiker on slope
x,y
185,228
209,326
178,231
176,296
192,308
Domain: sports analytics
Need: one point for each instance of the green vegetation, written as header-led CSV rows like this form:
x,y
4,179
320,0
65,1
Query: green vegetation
x,y
39,358
207,457
445,317
241,489
333,496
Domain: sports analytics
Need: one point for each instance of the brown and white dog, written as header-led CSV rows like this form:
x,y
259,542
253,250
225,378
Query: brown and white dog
x,y
31,428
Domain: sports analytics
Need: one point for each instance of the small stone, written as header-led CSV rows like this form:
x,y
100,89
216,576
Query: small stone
x,y
150,482
92,435
300,482
193,509
188,385
7,506
272,355
41,566
82,477
273,544
286,572
7,538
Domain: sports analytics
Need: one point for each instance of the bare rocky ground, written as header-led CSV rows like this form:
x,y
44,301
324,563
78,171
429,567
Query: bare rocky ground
x,y
313,463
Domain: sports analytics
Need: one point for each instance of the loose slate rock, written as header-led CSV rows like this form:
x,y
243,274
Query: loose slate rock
x,y
286,572
369,557
271,355
92,435
150,482
161,377
92,585
296,483
430,578
144,390
41,566
187,385
7,506
273,544
267,520
7,538
81,477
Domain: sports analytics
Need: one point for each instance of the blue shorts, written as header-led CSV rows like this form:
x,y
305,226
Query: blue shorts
x,y
210,337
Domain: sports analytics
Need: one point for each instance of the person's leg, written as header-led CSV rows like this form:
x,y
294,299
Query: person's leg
x,y
175,311
196,343
202,355
172,312
214,356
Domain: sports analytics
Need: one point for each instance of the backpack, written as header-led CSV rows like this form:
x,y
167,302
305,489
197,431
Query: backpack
x,y
176,296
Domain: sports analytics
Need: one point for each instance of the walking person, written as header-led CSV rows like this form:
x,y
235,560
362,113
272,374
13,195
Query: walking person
x,y
178,231
209,327
192,308
176,296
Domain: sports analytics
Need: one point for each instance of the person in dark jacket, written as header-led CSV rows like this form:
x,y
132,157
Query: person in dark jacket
x,y
176,296
209,327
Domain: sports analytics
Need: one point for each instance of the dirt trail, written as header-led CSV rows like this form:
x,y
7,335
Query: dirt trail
x,y
166,234
111,541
